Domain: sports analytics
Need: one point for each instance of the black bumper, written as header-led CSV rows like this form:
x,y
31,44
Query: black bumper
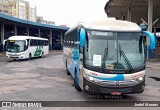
x,y
97,89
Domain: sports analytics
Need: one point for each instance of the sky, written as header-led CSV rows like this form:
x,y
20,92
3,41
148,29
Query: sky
x,y
70,12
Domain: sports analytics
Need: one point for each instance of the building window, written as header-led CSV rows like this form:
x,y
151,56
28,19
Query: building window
x,y
4,11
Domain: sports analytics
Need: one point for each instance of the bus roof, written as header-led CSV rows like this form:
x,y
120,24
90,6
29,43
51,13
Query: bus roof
x,y
109,24
113,24
25,37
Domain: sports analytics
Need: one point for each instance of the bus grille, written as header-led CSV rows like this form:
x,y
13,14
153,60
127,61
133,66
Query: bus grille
x,y
118,83
110,90
14,56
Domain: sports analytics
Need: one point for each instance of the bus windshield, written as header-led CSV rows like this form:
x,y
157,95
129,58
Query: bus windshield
x,y
115,50
15,46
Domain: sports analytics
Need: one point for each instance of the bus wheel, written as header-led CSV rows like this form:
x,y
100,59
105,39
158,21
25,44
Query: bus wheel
x,y
30,56
75,83
68,73
42,55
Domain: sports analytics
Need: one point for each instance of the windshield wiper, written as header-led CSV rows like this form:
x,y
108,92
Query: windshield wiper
x,y
104,57
125,59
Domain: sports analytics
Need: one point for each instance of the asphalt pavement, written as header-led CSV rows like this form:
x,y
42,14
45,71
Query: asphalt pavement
x,y
45,79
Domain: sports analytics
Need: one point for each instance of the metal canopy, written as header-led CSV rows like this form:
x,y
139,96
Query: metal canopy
x,y
132,10
4,17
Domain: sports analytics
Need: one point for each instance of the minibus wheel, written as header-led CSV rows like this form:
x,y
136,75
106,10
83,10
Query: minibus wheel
x,y
30,56
68,73
42,55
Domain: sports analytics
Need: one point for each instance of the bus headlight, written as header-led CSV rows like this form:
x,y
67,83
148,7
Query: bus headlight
x,y
140,78
22,53
91,79
7,53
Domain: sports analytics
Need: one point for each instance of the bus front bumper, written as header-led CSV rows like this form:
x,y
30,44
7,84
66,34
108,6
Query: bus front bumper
x,y
17,56
92,88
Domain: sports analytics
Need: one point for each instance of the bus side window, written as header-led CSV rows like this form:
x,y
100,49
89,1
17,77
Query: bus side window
x,y
75,39
39,42
42,42
36,42
81,50
64,42
81,54
67,41
46,43
31,43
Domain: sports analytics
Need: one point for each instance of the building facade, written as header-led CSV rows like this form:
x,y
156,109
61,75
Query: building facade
x,y
41,20
19,9
4,6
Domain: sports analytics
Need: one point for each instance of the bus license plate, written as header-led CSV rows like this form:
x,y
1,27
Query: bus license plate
x,y
116,93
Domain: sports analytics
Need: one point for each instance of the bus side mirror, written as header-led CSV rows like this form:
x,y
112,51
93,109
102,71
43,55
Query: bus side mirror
x,y
4,42
26,42
82,38
152,39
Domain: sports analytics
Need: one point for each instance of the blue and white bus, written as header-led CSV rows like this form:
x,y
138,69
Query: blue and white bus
x,y
107,57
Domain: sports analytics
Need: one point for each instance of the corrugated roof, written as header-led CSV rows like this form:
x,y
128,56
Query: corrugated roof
x,y
139,9
3,16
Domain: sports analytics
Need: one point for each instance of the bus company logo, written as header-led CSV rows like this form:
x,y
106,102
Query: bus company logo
x,y
6,104
117,72
117,83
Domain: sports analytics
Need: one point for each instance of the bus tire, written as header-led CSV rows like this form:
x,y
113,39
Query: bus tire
x,y
68,73
30,56
42,55
75,83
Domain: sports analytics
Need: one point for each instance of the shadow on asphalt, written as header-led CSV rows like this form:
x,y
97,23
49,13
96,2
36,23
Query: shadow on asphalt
x,y
21,60
155,78
3,58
